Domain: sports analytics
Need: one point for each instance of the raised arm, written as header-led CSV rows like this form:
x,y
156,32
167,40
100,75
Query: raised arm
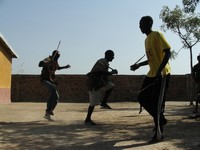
x,y
64,67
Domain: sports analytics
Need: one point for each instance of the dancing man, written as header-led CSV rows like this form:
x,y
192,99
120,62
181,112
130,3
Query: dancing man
x,y
49,66
158,54
99,85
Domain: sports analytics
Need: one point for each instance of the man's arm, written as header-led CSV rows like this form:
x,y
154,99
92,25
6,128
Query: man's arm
x,y
164,62
64,67
144,63
136,66
114,71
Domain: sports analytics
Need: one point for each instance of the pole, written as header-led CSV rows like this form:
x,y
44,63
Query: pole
x,y
139,59
58,45
57,49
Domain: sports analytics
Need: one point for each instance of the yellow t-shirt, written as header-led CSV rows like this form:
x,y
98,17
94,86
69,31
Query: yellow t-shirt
x,y
155,43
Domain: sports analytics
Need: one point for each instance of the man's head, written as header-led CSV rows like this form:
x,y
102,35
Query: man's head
x,y
109,55
145,25
55,55
198,57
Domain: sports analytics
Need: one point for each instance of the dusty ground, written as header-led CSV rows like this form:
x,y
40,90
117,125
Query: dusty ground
x,y
22,127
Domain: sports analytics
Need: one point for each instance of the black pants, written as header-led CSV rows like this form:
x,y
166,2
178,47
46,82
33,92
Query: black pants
x,y
149,95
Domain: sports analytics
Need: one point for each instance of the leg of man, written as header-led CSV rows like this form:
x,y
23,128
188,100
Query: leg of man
x,y
105,99
148,98
198,98
95,98
88,119
159,118
53,96
54,101
163,119
107,89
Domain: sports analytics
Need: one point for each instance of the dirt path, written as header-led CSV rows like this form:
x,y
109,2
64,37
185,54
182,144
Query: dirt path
x,y
22,127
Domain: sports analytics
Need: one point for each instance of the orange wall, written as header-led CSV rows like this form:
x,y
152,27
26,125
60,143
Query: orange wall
x,y
5,69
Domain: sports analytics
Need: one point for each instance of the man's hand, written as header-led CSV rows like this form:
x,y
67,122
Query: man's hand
x,y
114,71
158,76
134,67
67,66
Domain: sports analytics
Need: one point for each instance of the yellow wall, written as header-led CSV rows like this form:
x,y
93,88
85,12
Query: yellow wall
x,y
5,69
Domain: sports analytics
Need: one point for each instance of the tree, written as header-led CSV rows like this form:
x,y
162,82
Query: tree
x,y
185,23
190,5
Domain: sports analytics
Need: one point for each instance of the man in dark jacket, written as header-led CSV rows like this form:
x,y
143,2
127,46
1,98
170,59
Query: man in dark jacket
x,y
196,77
49,66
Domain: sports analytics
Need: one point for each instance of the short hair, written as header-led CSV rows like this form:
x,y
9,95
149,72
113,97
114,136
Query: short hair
x,y
109,53
147,19
198,57
54,52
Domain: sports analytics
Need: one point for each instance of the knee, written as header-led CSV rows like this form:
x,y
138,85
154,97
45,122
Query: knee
x,y
55,93
110,90
140,98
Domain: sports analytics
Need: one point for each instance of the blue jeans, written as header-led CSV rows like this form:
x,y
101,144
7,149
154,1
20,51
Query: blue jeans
x,y
53,97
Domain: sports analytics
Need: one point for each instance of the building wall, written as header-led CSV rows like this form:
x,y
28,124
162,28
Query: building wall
x,y
5,76
72,88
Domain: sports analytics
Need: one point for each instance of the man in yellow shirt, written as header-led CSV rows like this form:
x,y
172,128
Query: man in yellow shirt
x,y
158,53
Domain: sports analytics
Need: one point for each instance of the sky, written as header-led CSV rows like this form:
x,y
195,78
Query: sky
x,y
86,29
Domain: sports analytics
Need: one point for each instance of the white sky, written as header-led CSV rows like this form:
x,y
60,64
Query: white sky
x,y
86,28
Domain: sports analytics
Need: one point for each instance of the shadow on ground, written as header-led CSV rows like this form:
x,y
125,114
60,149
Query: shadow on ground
x,y
125,133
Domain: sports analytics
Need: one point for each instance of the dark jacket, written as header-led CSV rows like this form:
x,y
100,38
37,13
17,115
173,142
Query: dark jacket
x,y
49,67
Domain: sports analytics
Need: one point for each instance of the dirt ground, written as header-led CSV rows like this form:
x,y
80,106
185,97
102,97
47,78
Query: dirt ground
x,y
22,127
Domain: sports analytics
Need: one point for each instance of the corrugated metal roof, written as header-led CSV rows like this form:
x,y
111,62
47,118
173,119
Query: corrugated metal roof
x,y
8,47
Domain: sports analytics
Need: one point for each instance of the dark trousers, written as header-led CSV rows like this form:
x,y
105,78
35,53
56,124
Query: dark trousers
x,y
149,95
53,97
197,96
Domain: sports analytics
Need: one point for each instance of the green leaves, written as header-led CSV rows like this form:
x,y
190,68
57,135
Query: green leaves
x,y
190,5
183,22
